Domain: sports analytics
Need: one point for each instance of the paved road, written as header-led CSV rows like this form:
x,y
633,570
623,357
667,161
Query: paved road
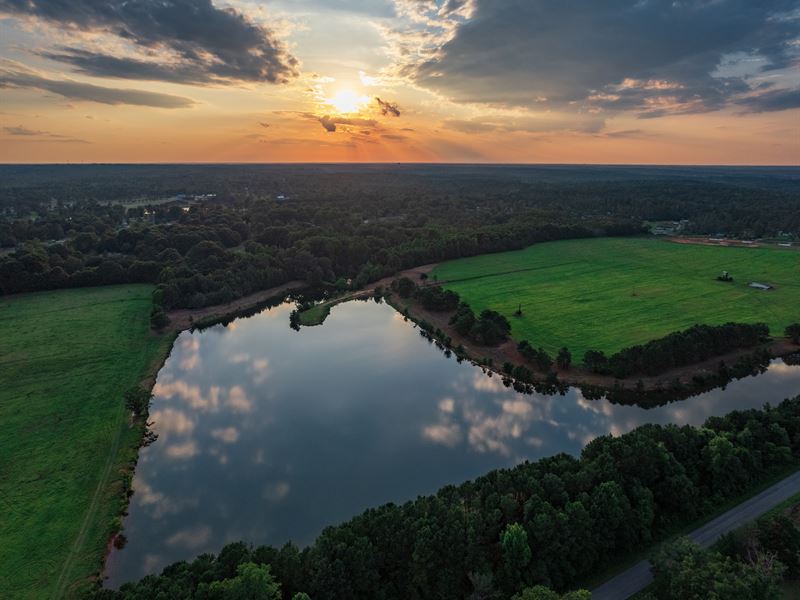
x,y
638,577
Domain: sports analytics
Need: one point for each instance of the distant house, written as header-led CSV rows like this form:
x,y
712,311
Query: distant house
x,y
760,286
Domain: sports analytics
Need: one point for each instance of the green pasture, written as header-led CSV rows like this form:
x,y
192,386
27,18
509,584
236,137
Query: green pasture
x,y
66,358
609,293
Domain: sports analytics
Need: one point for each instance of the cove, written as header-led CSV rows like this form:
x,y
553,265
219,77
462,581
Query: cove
x,y
266,434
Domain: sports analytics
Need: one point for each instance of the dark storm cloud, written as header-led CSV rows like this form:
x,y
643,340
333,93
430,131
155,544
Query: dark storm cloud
x,y
208,44
19,77
388,109
652,56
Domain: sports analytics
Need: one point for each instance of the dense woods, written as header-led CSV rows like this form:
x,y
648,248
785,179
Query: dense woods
x,y
553,522
212,234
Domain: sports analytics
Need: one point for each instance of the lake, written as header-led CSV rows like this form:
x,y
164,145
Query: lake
x,y
267,434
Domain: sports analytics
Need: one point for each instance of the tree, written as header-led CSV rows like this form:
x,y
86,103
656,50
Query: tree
x,y
252,582
595,360
684,570
301,596
137,400
516,556
490,328
564,359
793,332
540,592
463,320
404,287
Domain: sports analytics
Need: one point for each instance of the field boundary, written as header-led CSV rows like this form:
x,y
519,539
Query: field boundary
x,y
89,516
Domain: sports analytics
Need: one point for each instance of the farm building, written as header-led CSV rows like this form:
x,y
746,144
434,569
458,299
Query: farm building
x,y
760,286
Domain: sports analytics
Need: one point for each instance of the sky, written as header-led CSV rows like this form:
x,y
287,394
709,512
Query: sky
x,y
507,81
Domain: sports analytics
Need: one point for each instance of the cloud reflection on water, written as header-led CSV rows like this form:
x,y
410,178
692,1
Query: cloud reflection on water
x,y
271,434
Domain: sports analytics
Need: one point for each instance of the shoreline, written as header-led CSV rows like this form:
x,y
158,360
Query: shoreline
x,y
577,375
182,319
125,466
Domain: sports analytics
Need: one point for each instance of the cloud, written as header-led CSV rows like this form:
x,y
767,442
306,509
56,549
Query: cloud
x,y
13,75
275,492
388,109
20,130
238,401
771,101
228,435
170,422
447,434
548,122
182,451
35,135
652,56
196,42
330,123
191,539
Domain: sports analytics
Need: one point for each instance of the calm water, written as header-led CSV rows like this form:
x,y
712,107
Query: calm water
x,y
267,434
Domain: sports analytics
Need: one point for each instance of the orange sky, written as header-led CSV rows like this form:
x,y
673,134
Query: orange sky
x,y
59,102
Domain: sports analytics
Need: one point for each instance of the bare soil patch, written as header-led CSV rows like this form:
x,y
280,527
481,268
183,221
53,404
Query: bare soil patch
x,y
185,318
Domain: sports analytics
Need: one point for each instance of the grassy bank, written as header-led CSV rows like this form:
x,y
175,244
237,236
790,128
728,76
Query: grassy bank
x,y
315,315
66,358
609,293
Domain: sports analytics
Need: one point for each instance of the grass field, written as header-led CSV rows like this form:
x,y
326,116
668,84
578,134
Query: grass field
x,y
66,357
609,293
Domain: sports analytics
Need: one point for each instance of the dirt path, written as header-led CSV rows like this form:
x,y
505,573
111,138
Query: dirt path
x,y
728,243
185,318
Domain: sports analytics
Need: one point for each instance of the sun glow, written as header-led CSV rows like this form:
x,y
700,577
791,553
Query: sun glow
x,y
347,101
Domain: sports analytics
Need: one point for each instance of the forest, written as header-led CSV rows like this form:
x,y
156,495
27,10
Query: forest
x,y
552,523
209,235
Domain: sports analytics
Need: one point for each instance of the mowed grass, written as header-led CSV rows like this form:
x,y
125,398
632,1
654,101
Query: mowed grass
x,y
609,293
66,358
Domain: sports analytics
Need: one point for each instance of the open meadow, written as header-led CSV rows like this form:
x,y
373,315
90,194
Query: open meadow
x,y
66,357
610,293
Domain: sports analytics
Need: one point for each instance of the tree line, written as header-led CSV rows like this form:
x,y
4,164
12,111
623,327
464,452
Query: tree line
x,y
215,251
553,522
489,328
264,226
677,349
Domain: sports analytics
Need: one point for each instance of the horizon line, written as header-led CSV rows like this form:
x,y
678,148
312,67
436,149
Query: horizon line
x,y
401,163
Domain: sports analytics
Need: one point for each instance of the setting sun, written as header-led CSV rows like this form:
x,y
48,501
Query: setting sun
x,y
347,101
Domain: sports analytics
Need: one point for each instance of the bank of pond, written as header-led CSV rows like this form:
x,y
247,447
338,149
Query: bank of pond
x,y
270,434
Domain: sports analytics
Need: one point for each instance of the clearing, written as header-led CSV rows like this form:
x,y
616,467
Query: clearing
x,y
610,293
66,357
